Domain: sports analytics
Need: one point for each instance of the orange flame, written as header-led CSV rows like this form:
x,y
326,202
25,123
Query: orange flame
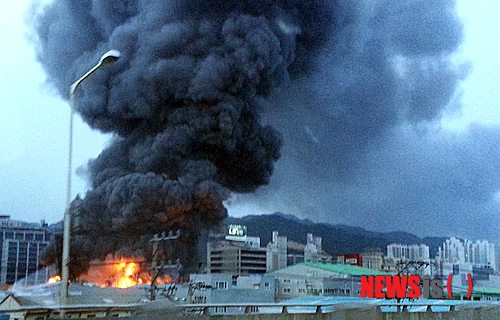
x,y
129,271
120,273
54,279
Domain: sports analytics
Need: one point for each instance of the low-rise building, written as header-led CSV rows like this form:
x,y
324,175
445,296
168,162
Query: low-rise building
x,y
373,259
316,279
458,270
353,259
42,302
225,288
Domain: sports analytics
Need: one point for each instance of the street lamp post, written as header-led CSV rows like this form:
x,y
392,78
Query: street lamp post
x,y
107,58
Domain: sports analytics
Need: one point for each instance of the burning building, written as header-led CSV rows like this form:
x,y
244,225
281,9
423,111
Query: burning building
x,y
185,101
183,104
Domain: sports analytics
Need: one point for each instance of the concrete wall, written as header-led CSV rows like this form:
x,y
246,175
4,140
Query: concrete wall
x,y
346,314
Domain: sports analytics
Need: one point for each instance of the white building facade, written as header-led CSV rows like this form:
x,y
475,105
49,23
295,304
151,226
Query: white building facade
x,y
403,252
276,252
477,253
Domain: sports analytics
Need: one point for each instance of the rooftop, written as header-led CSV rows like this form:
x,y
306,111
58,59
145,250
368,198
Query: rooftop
x,y
346,269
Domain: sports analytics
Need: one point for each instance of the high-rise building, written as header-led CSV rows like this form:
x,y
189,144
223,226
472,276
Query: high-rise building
x,y
477,253
277,252
408,259
312,250
403,252
21,247
452,251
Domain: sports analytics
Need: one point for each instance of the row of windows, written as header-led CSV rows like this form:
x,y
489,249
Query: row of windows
x,y
21,273
24,246
254,253
22,235
338,291
259,265
22,259
12,265
253,258
200,299
23,254
224,285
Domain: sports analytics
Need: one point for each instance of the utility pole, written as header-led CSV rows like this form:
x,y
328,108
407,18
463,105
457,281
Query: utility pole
x,y
155,268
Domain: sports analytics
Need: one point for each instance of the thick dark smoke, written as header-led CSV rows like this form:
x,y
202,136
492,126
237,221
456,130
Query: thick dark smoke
x,y
338,79
387,68
183,103
390,65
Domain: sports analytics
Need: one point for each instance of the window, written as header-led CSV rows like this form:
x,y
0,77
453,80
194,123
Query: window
x,y
220,309
253,309
286,280
220,285
267,286
287,290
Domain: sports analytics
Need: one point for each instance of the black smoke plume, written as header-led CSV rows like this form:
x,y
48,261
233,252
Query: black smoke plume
x,y
183,102
384,79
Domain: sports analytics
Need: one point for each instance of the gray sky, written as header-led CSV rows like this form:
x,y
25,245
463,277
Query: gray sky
x,y
422,191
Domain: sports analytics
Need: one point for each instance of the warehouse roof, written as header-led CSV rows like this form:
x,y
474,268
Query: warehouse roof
x,y
346,269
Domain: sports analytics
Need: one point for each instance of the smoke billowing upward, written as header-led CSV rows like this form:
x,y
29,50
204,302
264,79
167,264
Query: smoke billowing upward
x,y
183,102
384,75
335,81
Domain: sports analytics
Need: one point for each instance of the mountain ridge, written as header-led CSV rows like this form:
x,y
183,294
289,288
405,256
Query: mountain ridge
x,y
337,239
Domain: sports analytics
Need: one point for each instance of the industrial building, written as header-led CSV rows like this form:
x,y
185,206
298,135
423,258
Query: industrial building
x,y
319,279
225,288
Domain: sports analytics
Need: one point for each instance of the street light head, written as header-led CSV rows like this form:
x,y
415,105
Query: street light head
x,y
110,57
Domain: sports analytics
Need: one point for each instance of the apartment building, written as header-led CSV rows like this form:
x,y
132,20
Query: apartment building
x,y
480,253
